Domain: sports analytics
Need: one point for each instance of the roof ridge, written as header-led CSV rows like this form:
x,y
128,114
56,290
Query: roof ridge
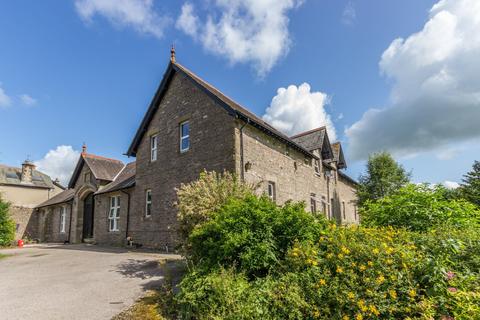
x,y
308,132
89,155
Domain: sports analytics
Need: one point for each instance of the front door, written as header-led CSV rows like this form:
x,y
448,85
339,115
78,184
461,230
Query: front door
x,y
88,205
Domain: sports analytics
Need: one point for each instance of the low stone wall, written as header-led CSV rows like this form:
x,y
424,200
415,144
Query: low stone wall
x,y
22,217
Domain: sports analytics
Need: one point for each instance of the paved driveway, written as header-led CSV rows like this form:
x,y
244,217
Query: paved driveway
x,y
74,281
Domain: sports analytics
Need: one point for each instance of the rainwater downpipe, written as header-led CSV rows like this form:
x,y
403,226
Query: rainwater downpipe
x,y
127,228
242,164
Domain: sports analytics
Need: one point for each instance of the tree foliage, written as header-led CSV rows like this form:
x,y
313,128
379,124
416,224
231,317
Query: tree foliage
x,y
7,225
383,177
419,208
470,188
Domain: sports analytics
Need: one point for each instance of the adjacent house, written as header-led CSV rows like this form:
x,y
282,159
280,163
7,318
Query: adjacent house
x,y
25,188
190,126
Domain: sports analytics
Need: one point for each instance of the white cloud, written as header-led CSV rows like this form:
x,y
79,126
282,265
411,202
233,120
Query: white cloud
x,y
297,109
28,100
59,163
139,14
451,184
5,100
242,31
188,22
349,14
436,92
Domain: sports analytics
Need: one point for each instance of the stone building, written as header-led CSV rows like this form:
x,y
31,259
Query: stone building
x,y
190,126
25,188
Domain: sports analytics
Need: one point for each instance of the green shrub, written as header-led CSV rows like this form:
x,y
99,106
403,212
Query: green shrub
x,y
251,234
197,200
419,208
7,225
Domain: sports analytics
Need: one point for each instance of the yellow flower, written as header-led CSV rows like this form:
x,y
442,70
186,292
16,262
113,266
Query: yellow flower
x,y
340,256
354,264
345,318
314,262
339,269
359,316
316,313
362,267
322,282
376,251
373,310
389,261
295,254
330,255
393,294
345,250
389,250
351,295
412,293
380,279
370,263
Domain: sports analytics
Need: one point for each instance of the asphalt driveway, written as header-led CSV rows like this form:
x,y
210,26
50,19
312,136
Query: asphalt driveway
x,y
74,281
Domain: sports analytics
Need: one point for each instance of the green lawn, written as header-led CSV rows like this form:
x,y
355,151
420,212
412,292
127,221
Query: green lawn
x,y
3,256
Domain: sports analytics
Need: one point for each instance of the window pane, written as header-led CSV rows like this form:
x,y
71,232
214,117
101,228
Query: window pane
x,y
185,143
185,129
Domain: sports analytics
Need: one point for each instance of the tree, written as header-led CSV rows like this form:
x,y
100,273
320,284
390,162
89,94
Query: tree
x,y
470,188
7,226
383,177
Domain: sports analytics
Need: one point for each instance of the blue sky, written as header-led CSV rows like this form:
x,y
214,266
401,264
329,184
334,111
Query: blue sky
x,y
85,71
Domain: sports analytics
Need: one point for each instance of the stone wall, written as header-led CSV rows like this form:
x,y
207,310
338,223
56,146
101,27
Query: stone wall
x,y
268,160
48,220
21,216
211,148
102,234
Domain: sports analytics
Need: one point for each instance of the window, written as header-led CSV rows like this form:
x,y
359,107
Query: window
x,y
324,208
114,214
153,147
148,203
87,177
271,190
316,163
184,136
313,204
343,211
63,218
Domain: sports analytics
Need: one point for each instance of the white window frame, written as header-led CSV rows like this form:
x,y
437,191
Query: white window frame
x,y
153,147
313,203
114,214
148,203
316,164
184,137
271,190
63,219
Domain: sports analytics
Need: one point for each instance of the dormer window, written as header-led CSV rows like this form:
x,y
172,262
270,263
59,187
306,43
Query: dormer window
x,y
153,147
184,136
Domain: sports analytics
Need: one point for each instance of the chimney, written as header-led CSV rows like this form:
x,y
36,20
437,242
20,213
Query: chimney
x,y
27,171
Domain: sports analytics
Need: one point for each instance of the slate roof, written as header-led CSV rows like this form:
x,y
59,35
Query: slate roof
x,y
315,139
12,176
102,168
125,179
338,155
63,196
228,104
